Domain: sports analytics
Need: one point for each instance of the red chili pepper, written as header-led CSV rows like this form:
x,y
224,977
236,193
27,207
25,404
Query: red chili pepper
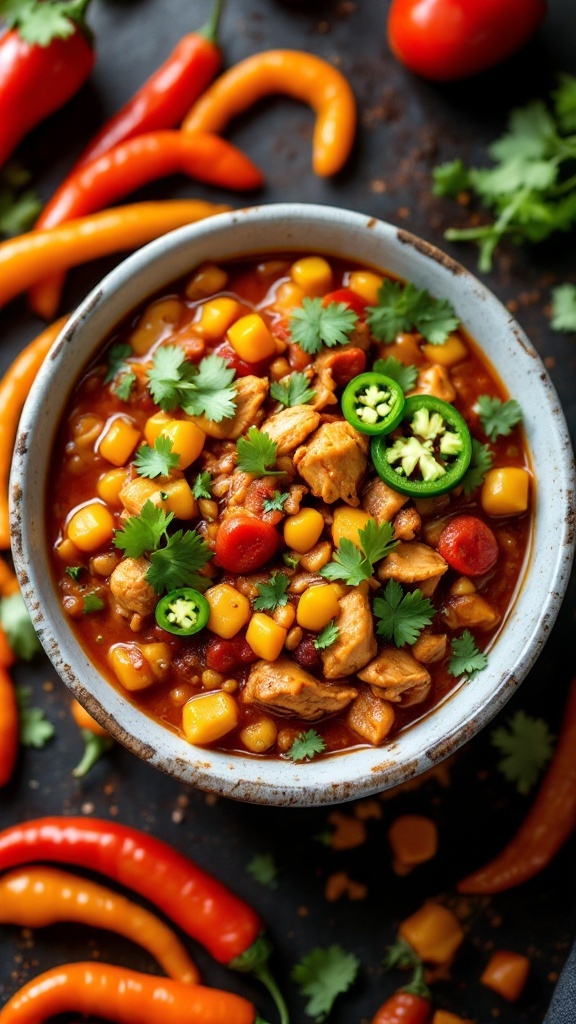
x,y
468,545
403,1008
36,80
8,726
349,298
548,824
245,543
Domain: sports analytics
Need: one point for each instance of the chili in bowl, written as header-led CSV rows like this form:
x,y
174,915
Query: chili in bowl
x,y
282,534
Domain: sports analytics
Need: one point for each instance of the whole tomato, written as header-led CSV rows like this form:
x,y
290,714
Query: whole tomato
x,y
448,39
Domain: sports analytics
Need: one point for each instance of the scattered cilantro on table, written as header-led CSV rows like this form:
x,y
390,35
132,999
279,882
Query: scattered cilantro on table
x,y
480,463
312,324
256,453
497,417
405,376
295,391
402,614
18,627
323,975
201,486
19,206
527,744
327,636
35,729
40,23
203,390
93,603
175,558
306,746
402,308
94,748
156,461
263,869
273,594
564,308
353,565
466,659
276,502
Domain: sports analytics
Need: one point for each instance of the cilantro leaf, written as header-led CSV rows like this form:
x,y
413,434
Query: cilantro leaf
x,y
18,211
18,627
306,746
528,745
295,391
117,356
497,417
564,308
327,636
466,659
93,603
156,461
256,453
564,98
40,23
273,594
312,324
353,565
122,387
480,463
377,540
276,502
201,486
402,308
144,532
450,178
405,376
35,729
205,389
176,564
323,975
403,614
263,869
74,571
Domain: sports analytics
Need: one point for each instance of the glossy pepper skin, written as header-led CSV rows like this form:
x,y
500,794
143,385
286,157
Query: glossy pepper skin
x,y
183,612
358,389
404,1008
8,727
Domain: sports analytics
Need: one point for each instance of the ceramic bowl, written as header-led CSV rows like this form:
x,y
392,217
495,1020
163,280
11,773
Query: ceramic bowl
x,y
471,705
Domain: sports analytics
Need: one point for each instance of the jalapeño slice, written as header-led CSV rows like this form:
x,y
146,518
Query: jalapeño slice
x,y
373,403
183,612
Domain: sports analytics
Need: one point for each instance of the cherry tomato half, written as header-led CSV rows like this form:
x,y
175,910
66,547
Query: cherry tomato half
x,y
468,545
349,298
245,543
241,368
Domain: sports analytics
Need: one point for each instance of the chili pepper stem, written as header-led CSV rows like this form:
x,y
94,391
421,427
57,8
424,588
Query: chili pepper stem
x,y
266,978
94,749
418,986
209,31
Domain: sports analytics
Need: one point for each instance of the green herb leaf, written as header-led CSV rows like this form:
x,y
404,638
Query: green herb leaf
x,y
93,603
289,560
323,975
294,391
176,564
144,532
403,614
74,572
276,502
402,308
327,636
405,376
157,461
353,565
273,594
497,417
117,356
312,324
18,627
124,385
201,486
40,23
565,103
263,869
480,463
256,453
306,746
205,389
564,308
18,211
377,540
466,659
450,179
35,729
94,748
527,744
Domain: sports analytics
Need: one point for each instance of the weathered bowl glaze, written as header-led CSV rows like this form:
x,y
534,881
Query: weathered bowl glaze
x,y
471,705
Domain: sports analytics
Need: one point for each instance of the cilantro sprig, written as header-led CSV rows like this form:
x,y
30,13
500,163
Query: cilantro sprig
x,y
306,746
354,564
403,307
19,206
497,417
272,595
34,728
157,461
175,558
312,324
465,659
119,373
527,745
256,453
402,614
295,390
405,376
327,636
480,463
93,603
263,869
203,390
276,502
201,488
564,307
323,975
18,627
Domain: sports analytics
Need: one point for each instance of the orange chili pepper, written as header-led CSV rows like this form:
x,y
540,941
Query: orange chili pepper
x,y
127,167
14,388
28,258
301,75
8,582
122,995
7,656
85,721
506,973
548,824
39,896
9,739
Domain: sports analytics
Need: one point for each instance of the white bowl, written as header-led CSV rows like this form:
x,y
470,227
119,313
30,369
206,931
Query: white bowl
x,y
302,228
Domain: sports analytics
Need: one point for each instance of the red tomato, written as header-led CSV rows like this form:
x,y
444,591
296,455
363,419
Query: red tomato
x,y
403,1008
349,298
245,543
346,365
448,39
468,545
227,655
243,369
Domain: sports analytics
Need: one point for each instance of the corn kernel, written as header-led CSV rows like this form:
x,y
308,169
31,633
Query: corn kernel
x,y
67,551
119,441
130,667
313,274
187,441
259,736
109,486
251,339
366,284
154,323
265,637
91,527
451,352
462,586
208,508
207,280
180,499
303,530
154,426
288,296
158,657
212,680
217,316
229,610
284,615
317,607
505,491
347,524
209,716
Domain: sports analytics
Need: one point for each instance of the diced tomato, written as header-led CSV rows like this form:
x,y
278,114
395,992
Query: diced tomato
x,y
349,298
346,365
468,545
241,368
257,493
245,543
193,345
227,655
297,357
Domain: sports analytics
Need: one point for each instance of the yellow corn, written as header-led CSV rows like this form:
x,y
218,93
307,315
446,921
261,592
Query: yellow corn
x,y
155,425
180,499
313,274
347,523
259,736
207,280
130,667
154,323
303,530
284,615
119,441
217,316
67,551
317,607
109,486
288,296
91,527
451,352
251,339
208,717
229,610
158,657
187,441
265,637
505,491
366,284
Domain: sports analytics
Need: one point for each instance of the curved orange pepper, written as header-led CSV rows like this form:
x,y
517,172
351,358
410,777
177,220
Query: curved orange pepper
x,y
9,738
301,75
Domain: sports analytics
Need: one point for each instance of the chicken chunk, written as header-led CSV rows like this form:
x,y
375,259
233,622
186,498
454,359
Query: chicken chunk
x,y
356,643
285,688
435,380
381,502
430,647
398,677
250,395
407,524
470,611
411,562
370,717
290,427
333,462
131,590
